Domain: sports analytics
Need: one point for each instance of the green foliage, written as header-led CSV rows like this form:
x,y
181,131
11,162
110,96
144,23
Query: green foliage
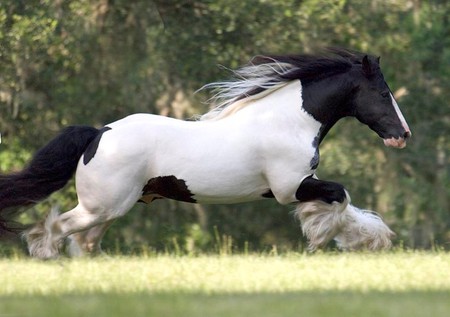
x,y
92,62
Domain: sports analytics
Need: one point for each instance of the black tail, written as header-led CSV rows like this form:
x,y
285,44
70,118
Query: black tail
x,y
49,170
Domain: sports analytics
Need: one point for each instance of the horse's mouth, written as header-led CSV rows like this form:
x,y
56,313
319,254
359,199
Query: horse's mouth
x,y
394,142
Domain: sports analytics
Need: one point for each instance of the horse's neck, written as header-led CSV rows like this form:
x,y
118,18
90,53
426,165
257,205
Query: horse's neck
x,y
282,109
327,101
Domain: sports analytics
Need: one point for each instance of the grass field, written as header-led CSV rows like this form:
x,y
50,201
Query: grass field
x,y
329,284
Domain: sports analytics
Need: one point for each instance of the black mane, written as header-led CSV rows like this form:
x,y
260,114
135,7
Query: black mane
x,y
273,71
309,68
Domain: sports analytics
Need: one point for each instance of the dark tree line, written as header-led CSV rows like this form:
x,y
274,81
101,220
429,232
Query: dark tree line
x,y
93,62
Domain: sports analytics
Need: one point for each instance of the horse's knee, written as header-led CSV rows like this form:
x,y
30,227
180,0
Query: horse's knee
x,y
312,189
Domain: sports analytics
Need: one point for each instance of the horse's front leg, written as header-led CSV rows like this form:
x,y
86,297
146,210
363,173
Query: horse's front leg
x,y
325,213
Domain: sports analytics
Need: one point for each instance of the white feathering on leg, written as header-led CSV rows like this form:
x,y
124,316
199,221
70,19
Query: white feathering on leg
x,y
352,228
39,238
320,221
363,229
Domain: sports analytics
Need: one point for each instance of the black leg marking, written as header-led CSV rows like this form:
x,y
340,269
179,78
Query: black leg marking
x,y
314,189
168,187
92,148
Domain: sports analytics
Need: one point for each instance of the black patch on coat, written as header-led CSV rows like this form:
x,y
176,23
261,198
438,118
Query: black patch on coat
x,y
268,194
327,102
92,148
151,200
316,158
168,187
313,189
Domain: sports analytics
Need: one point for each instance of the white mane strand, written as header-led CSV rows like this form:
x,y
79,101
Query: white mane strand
x,y
248,83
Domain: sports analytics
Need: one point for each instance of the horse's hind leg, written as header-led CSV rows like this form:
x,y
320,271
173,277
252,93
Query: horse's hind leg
x,y
45,239
88,242
325,213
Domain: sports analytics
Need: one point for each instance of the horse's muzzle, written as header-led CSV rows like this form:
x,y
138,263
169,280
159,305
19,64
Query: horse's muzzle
x,y
398,142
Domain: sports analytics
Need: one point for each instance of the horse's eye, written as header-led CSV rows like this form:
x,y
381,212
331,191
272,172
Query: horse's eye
x,y
385,94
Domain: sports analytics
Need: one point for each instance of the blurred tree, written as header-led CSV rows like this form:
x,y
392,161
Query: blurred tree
x,y
95,61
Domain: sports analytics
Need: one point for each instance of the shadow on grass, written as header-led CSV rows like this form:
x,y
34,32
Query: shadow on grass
x,y
308,304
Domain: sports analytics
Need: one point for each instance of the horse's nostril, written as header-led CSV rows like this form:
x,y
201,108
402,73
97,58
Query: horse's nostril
x,y
407,134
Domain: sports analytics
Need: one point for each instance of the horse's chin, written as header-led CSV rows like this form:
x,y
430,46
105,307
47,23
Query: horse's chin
x,y
399,143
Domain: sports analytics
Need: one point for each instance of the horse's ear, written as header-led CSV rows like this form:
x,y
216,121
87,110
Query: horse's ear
x,y
378,60
366,66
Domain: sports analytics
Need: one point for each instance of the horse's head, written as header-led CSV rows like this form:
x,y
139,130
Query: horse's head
x,y
374,105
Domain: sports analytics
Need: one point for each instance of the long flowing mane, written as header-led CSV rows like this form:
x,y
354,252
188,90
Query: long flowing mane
x,y
264,74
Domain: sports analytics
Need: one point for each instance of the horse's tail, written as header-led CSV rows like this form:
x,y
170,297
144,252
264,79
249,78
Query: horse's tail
x,y
49,170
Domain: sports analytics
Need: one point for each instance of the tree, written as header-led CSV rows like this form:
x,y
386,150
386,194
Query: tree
x,y
93,62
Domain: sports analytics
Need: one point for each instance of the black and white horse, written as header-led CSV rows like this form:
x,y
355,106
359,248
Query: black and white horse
x,y
261,141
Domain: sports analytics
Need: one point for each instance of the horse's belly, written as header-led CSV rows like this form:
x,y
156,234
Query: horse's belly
x,y
206,188
232,192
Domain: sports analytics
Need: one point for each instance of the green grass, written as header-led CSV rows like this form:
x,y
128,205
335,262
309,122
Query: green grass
x,y
342,284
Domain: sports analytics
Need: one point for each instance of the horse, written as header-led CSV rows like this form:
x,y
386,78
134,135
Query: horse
x,y
260,140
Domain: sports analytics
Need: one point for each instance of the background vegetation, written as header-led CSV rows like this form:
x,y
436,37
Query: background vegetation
x,y
94,61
